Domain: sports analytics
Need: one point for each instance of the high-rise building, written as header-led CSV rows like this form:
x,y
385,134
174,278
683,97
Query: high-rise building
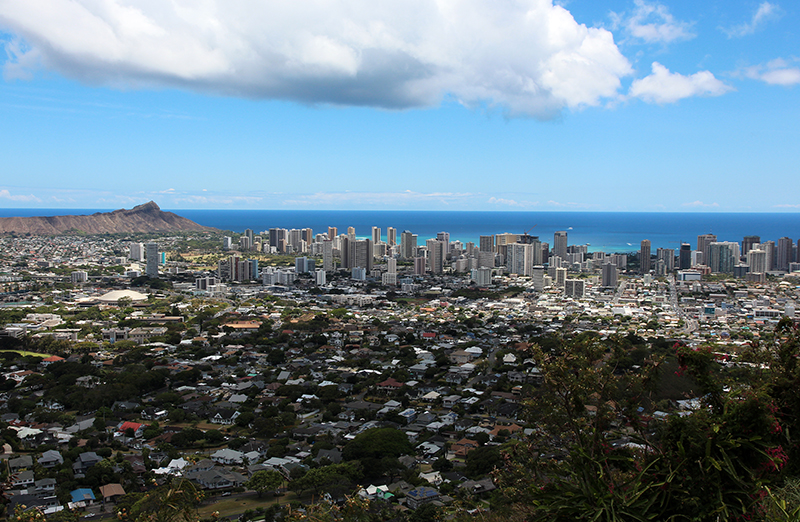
x,y
408,245
685,256
351,231
359,254
667,256
79,276
574,287
486,244
390,276
249,234
485,259
436,255
502,240
444,237
644,256
769,248
757,260
722,256
391,236
783,253
136,252
748,242
481,276
537,275
519,259
376,234
152,260
420,264
332,232
560,244
703,241
560,276
275,237
327,255
609,275
244,243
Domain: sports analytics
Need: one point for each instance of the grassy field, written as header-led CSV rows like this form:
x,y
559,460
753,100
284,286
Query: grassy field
x,y
236,505
26,354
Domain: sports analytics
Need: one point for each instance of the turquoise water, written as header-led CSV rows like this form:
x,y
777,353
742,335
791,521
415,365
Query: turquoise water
x,y
603,231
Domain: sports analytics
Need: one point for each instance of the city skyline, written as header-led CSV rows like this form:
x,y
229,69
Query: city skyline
x,y
625,106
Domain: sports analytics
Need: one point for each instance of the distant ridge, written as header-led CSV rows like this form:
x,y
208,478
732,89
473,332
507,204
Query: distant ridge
x,y
141,218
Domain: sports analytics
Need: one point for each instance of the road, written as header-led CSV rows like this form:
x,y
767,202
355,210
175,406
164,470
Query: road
x,y
690,323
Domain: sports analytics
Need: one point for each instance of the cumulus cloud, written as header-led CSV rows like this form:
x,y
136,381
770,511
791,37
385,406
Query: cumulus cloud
x,y
529,57
663,86
765,13
652,22
775,72
504,202
5,194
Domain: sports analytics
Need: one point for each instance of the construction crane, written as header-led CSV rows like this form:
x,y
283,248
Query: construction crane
x,y
525,238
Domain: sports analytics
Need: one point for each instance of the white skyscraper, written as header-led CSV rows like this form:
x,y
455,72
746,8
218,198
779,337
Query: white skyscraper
x,y
136,252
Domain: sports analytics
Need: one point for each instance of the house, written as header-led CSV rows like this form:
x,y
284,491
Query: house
x,y
224,416
135,427
44,487
390,384
84,495
477,487
151,413
450,400
22,462
85,461
47,505
111,492
50,459
227,456
463,447
23,479
219,479
333,456
420,496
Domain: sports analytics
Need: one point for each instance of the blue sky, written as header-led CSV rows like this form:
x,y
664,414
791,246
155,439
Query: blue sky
x,y
421,104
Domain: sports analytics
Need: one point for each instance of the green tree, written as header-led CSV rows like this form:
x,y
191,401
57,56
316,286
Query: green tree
x,y
264,480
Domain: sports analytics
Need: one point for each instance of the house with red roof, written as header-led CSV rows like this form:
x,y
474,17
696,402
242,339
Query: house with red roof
x,y
137,428
50,360
390,384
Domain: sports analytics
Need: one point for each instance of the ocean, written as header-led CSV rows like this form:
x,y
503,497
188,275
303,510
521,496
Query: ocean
x,y
603,231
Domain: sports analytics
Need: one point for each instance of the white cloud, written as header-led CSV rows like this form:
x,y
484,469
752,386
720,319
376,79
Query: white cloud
x,y
511,202
652,23
775,72
700,204
663,86
5,194
765,12
529,57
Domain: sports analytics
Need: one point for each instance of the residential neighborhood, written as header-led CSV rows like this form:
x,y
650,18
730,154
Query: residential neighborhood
x,y
402,394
